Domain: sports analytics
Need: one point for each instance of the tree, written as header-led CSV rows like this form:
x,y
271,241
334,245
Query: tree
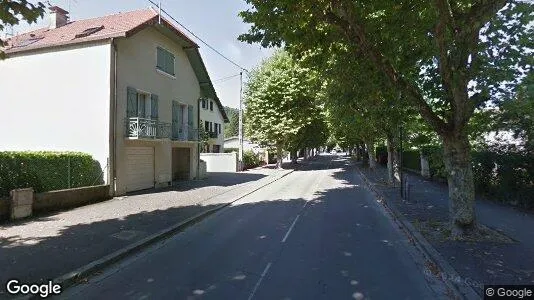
x,y
446,57
279,101
232,128
14,11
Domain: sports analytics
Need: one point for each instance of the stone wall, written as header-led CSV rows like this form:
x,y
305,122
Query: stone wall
x,y
63,199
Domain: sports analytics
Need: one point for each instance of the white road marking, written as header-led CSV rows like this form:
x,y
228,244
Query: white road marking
x,y
290,228
259,281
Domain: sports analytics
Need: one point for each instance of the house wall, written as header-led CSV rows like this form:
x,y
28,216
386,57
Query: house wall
x,y
214,116
234,143
57,100
136,67
220,162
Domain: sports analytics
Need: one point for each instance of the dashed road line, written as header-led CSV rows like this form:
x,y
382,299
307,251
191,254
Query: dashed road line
x,y
290,228
259,281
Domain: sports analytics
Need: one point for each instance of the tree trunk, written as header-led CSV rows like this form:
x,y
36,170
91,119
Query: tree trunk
x,y
391,169
372,155
457,159
279,157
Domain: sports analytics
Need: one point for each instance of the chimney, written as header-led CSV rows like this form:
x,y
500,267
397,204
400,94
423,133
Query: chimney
x,y
58,17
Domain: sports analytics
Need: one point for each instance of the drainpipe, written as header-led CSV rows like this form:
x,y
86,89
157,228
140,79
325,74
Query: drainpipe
x,y
113,122
198,138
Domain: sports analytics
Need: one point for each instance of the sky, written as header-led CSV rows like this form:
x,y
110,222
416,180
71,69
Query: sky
x,y
216,22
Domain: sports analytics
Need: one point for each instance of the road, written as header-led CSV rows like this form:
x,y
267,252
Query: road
x,y
315,234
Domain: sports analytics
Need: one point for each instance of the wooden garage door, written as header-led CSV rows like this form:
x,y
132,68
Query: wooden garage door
x,y
140,168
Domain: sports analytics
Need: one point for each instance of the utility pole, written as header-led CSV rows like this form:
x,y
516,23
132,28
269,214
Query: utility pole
x,y
240,158
400,163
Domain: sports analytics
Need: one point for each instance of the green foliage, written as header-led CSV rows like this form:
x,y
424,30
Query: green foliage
x,y
518,114
47,171
505,173
251,160
230,150
411,159
280,101
203,136
12,12
231,129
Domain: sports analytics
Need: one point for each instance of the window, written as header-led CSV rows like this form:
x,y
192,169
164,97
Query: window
x,y
211,105
211,127
204,104
165,61
216,128
220,125
207,126
141,104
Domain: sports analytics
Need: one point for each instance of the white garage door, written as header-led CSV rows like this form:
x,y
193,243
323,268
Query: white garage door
x,y
140,168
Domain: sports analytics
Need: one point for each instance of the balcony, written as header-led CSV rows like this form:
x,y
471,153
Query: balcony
x,y
213,135
142,128
184,133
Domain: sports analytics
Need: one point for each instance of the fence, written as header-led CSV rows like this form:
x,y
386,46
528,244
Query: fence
x,y
220,162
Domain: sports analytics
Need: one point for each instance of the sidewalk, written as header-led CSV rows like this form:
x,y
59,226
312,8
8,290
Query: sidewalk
x,y
47,247
504,256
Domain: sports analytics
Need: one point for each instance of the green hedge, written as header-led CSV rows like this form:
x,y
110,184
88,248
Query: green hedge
x,y
47,171
411,159
250,160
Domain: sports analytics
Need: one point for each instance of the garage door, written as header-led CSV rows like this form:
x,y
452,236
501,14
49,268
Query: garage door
x,y
140,168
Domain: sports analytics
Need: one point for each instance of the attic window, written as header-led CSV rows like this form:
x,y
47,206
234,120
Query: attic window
x,y
89,31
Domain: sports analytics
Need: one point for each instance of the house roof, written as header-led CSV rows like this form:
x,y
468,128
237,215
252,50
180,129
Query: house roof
x,y
113,26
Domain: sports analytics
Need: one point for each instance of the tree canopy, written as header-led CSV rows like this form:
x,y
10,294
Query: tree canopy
x,y
15,11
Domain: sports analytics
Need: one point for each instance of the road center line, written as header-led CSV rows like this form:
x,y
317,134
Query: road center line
x,y
290,228
259,281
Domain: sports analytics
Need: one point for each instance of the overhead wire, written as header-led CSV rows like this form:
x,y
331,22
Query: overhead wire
x,y
197,37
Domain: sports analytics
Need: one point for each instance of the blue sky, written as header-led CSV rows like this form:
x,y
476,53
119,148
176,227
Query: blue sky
x,y
215,21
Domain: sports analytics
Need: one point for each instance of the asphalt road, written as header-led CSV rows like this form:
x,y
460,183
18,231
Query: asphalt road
x,y
315,234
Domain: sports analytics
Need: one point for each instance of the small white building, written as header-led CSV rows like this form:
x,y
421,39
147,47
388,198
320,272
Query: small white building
x,y
124,88
212,118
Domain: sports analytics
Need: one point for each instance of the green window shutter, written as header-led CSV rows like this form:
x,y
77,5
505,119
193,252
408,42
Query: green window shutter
x,y
170,63
154,107
131,106
190,115
160,58
142,107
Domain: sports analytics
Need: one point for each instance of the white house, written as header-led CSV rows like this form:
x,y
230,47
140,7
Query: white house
x,y
213,117
124,88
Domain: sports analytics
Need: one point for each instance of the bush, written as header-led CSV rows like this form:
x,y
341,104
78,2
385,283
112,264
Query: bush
x,y
411,159
505,174
382,155
230,150
250,160
47,171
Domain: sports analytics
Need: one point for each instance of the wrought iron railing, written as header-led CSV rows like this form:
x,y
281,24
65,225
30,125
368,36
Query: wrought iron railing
x,y
147,128
184,133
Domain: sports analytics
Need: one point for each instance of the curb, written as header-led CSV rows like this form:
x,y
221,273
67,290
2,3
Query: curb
x,y
461,291
69,279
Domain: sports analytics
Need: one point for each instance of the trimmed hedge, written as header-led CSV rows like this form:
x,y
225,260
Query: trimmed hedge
x,y
47,171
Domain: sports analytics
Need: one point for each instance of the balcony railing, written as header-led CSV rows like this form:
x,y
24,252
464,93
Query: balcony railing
x,y
184,133
142,128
